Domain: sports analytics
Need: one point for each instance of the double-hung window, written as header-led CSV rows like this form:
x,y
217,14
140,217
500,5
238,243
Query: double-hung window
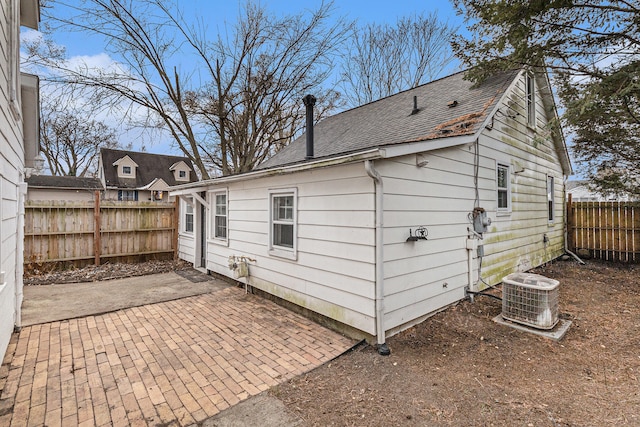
x,y
550,201
220,216
283,223
504,191
188,218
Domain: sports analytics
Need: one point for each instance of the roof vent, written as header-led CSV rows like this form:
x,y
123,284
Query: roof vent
x,y
452,104
415,110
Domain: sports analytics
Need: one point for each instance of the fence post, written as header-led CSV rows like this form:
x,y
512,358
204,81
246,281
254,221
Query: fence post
x,y
176,216
96,228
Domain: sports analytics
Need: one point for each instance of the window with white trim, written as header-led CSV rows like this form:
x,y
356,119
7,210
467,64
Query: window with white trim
x,y
531,100
504,188
283,223
219,225
550,198
126,170
188,218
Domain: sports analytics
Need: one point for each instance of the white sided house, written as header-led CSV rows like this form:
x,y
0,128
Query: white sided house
x,y
378,218
19,149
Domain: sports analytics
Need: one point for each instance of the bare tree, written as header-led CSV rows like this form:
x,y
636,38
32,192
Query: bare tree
x,y
70,136
385,59
240,101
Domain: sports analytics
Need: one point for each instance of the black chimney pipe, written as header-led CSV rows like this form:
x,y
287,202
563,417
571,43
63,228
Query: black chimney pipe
x,y
309,102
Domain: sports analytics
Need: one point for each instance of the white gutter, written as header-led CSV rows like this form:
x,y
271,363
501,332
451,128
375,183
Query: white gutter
x,y
380,332
202,185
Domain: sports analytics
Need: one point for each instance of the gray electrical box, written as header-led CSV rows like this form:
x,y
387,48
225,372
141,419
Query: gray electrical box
x,y
481,221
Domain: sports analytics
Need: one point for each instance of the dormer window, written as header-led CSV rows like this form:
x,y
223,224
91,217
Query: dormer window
x,y
126,167
181,171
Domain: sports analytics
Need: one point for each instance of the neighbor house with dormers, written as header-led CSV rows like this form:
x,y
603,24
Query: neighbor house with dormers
x,y
135,176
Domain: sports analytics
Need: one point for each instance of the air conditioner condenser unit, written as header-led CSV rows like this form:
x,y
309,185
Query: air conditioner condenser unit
x,y
530,299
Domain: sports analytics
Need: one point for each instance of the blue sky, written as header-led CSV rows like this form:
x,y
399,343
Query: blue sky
x,y
215,14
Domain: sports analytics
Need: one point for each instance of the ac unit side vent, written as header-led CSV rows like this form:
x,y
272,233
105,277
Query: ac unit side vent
x,y
530,299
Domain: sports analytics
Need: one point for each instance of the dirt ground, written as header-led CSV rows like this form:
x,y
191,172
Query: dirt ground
x,y
459,368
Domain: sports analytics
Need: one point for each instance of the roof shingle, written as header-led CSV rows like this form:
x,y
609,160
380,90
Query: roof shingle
x,y
150,167
390,121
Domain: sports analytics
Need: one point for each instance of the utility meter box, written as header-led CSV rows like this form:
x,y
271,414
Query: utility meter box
x,y
481,221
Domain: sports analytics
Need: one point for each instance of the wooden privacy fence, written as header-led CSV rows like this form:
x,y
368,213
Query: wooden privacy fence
x,y
606,230
82,233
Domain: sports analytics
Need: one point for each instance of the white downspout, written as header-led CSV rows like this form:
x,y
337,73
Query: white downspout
x,y
19,282
383,349
566,222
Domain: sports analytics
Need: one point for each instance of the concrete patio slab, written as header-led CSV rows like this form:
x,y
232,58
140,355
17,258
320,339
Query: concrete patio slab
x,y
48,303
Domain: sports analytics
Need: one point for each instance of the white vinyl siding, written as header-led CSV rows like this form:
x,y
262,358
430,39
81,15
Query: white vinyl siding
x,y
12,165
515,242
333,272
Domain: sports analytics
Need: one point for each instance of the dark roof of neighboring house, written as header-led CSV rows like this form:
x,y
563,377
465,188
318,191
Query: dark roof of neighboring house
x,y
150,167
64,182
389,121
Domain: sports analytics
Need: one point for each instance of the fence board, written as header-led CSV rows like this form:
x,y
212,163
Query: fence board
x,y
80,232
606,230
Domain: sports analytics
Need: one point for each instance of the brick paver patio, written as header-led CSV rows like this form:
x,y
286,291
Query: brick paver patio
x,y
171,363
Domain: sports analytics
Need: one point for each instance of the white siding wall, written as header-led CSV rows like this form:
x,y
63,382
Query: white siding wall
x,y
11,168
425,276
515,241
334,273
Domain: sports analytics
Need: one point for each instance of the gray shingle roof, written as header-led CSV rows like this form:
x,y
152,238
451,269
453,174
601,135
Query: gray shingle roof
x,y
70,182
150,167
389,121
